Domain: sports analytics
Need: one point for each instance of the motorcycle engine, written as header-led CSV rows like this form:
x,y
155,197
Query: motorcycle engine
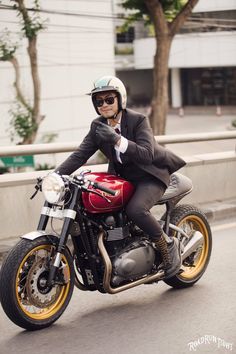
x,y
136,260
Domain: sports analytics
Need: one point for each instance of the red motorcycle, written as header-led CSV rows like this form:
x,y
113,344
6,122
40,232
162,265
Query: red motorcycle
x,y
97,247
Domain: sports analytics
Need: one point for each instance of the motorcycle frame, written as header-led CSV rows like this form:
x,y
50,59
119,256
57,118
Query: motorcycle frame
x,y
83,246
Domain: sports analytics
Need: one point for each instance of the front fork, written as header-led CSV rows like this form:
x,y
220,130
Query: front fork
x,y
68,220
60,248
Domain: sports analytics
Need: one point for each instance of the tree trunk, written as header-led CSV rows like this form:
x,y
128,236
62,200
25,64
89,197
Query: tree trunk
x,y
160,85
32,51
164,32
160,71
36,116
20,96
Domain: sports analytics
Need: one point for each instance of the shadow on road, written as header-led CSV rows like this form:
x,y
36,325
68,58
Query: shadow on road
x,y
144,322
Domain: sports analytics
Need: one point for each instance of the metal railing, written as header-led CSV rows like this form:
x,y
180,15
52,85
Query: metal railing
x,y
38,149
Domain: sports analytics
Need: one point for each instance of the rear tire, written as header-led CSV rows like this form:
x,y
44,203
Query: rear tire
x,y
191,219
24,295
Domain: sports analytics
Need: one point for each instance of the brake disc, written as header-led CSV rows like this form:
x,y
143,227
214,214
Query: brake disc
x,y
39,294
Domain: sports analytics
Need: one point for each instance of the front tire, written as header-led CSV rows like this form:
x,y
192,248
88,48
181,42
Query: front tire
x,y
24,294
191,219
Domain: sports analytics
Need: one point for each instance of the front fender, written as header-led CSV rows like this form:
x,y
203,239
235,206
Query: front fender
x,y
31,236
35,234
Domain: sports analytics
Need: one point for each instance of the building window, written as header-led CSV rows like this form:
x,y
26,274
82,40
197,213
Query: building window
x,y
125,37
209,86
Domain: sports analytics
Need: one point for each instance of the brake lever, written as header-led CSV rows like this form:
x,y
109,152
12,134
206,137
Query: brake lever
x,y
38,187
82,173
80,180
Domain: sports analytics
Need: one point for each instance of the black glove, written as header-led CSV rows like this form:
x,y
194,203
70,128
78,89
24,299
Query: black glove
x,y
105,133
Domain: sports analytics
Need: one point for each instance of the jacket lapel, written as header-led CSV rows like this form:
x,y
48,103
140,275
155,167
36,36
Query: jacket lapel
x,y
124,125
124,133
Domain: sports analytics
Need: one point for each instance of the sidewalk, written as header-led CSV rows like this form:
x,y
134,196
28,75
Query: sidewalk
x,y
217,211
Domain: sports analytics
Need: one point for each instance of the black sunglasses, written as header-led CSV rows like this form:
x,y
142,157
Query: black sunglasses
x,y
100,101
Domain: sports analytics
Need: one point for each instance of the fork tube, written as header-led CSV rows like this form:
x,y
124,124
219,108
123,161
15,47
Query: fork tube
x,y
63,240
43,218
67,222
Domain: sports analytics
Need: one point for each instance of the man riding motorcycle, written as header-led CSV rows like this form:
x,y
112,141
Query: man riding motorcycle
x,y
126,139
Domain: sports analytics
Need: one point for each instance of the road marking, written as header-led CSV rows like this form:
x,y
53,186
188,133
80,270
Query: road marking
x,y
223,226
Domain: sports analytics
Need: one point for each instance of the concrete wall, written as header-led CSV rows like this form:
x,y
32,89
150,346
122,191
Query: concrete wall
x,y
213,177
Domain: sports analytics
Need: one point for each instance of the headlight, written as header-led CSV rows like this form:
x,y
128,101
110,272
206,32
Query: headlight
x,y
53,188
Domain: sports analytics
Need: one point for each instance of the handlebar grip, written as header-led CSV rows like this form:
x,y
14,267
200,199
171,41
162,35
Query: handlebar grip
x,y
104,189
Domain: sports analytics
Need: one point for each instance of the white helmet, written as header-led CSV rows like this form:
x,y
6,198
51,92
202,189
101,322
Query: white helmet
x,y
110,83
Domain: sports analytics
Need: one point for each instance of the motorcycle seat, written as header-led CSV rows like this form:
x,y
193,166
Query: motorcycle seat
x,y
179,186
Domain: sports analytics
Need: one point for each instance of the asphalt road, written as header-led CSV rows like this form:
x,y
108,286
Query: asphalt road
x,y
149,319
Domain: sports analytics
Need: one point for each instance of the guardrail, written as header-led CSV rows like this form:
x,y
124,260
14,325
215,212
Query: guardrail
x,y
38,149
207,172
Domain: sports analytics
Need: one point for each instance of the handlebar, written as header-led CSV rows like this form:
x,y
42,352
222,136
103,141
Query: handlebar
x,y
102,188
78,180
95,185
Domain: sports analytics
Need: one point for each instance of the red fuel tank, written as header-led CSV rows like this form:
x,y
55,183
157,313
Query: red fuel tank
x,y
96,204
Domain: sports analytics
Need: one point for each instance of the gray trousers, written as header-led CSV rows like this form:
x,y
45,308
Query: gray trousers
x,y
146,195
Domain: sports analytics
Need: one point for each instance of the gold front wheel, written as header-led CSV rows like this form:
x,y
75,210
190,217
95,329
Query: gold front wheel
x,y
26,298
191,219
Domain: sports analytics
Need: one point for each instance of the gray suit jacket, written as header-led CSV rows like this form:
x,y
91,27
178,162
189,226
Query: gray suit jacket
x,y
142,149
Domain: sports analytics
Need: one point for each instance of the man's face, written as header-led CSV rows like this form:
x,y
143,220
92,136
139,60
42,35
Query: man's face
x,y
107,104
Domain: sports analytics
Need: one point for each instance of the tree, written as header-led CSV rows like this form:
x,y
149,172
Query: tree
x,y
167,17
26,117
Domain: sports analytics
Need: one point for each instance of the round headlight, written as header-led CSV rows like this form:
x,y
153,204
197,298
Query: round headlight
x,y
53,188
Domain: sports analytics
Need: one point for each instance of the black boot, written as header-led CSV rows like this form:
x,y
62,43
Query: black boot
x,y
171,254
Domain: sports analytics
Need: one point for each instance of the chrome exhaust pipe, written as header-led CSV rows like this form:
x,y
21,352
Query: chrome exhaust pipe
x,y
108,272
196,240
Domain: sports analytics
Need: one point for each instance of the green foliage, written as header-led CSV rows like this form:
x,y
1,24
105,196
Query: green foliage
x,y
135,5
31,28
31,25
170,8
141,13
7,47
22,124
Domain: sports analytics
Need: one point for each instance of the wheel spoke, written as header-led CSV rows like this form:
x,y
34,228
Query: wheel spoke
x,y
194,263
191,219
34,297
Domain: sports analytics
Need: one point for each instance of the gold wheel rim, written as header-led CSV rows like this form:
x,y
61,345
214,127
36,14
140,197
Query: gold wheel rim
x,y
197,224
32,311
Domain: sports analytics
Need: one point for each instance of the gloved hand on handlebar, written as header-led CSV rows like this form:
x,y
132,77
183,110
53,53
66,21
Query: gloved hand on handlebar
x,y
105,133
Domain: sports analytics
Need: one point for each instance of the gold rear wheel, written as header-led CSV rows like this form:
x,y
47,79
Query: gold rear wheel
x,y
191,219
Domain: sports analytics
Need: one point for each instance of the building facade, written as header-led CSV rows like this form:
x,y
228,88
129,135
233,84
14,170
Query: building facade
x,y
202,60
75,48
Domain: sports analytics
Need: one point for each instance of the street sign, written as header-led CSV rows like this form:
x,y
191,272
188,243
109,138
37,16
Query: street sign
x,y
18,161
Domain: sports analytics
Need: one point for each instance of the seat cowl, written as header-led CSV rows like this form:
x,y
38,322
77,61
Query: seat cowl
x,y
179,185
